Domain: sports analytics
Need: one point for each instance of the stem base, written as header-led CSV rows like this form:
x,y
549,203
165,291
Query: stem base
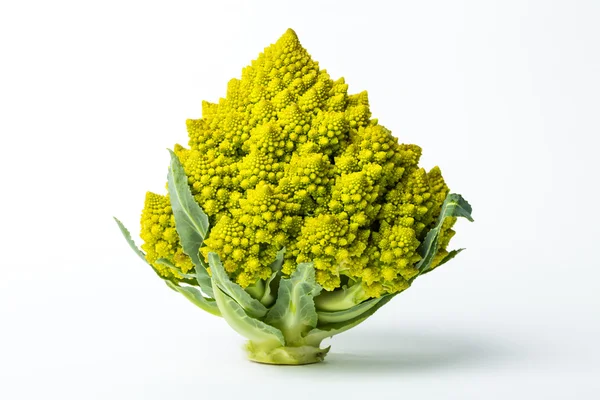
x,y
286,355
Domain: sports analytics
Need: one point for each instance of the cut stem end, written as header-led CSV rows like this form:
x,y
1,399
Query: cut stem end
x,y
286,355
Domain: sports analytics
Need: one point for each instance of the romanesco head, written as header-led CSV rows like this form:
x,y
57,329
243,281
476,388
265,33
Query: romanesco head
x,y
289,159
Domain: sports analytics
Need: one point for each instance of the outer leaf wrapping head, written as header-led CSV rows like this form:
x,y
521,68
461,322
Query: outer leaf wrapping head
x,y
294,311
454,206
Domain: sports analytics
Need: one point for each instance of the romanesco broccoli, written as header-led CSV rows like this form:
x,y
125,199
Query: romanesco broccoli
x,y
300,186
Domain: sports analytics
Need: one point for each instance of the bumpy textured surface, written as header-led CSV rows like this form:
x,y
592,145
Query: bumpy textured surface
x,y
160,237
289,159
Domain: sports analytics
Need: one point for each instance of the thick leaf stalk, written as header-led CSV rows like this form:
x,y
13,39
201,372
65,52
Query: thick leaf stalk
x,y
284,318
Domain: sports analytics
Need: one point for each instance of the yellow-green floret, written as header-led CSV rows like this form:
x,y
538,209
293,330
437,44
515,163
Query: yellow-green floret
x,y
160,237
289,159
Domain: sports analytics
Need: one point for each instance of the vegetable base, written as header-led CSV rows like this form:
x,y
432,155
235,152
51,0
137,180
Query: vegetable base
x,y
285,355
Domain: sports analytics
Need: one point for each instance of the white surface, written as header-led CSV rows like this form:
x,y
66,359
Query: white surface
x,y
504,96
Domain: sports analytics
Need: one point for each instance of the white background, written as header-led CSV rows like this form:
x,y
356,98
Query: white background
x,y
504,96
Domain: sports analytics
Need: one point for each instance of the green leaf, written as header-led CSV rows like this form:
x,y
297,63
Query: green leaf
x,y
262,289
315,336
196,221
329,317
253,307
192,294
130,241
190,221
457,206
257,289
449,256
137,251
272,283
257,331
196,297
294,310
341,299
268,297
276,265
185,278
454,206
169,264
203,279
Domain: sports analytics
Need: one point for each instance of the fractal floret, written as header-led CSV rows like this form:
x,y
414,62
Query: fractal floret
x,y
292,213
